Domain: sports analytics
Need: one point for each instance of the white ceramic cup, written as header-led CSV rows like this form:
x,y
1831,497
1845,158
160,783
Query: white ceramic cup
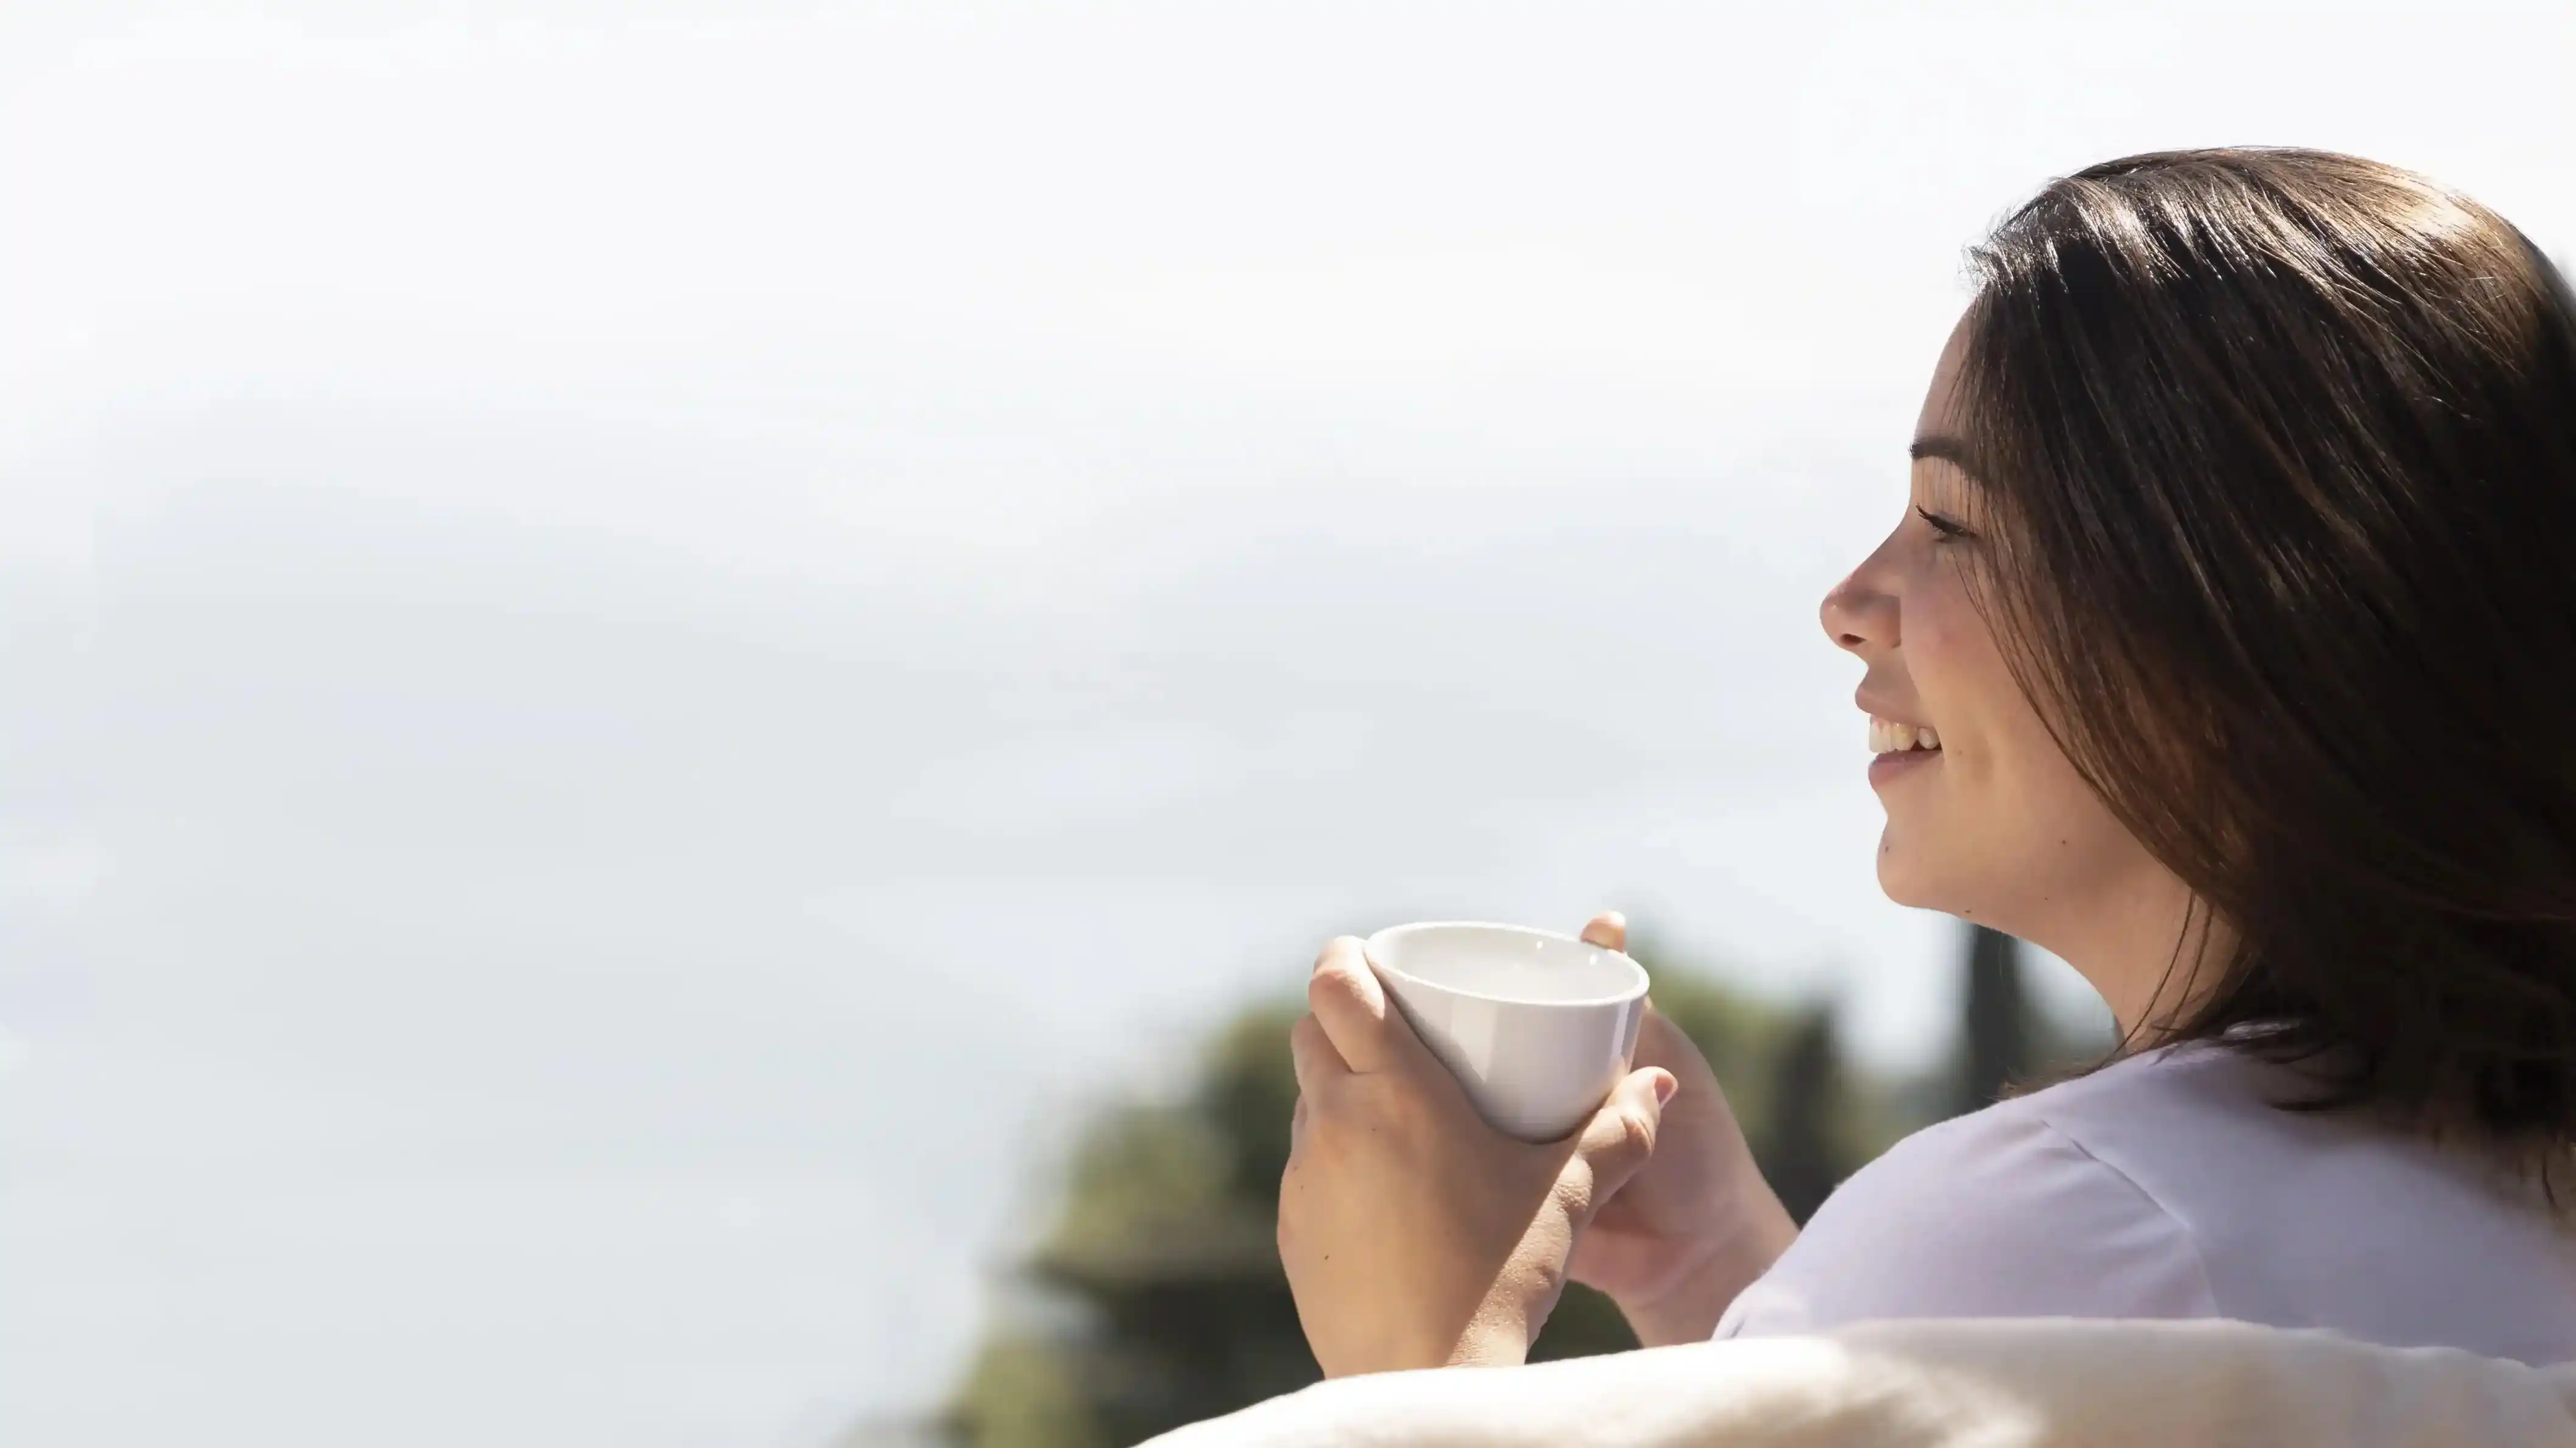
x,y
1537,1026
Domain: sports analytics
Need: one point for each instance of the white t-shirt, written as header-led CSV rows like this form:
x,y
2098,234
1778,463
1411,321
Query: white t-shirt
x,y
2165,1186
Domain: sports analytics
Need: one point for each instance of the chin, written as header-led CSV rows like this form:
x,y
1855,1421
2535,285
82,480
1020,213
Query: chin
x,y
1895,880
1909,878
1908,893
1904,880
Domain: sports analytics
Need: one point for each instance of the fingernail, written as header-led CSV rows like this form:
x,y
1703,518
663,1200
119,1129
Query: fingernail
x,y
1665,1086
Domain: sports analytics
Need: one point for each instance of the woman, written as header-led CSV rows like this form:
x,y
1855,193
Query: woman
x,y
2226,649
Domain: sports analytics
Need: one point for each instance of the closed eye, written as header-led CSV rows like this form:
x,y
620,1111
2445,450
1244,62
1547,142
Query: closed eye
x,y
1948,529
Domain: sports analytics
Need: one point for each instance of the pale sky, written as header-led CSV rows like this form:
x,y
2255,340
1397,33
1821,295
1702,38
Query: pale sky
x,y
647,639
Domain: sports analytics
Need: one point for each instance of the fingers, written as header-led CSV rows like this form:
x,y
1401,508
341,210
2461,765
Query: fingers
x,y
1319,1067
1362,1024
1609,930
1622,1134
1318,1064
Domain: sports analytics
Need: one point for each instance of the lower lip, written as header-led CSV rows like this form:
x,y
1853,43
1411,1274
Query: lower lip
x,y
1885,767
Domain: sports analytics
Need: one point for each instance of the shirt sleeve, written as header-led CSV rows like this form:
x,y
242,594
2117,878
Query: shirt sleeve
x,y
1998,1214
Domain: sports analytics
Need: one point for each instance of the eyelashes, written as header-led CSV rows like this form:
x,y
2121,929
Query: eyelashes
x,y
1948,530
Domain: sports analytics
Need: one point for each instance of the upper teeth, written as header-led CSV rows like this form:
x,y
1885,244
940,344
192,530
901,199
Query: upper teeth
x,y
1886,736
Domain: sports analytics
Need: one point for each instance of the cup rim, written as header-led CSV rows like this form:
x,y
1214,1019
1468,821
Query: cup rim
x,y
1634,991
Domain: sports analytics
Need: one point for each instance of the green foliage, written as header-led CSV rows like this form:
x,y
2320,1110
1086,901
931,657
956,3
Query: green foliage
x,y
1023,1392
1167,1243
1164,1247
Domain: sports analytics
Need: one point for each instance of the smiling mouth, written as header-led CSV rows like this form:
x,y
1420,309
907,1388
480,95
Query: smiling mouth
x,y
1886,737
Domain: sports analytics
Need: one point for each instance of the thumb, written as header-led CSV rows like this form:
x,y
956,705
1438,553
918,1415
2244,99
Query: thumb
x,y
1622,1134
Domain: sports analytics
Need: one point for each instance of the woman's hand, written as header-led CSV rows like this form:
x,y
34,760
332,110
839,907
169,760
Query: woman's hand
x,y
1675,1243
1414,1234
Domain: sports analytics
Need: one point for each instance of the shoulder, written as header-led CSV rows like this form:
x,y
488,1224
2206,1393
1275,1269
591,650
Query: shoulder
x,y
2005,1212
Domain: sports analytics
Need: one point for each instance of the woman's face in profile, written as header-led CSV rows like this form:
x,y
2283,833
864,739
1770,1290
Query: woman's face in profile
x,y
1993,823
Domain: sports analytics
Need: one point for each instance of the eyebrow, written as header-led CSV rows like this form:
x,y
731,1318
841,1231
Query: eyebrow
x,y
1943,446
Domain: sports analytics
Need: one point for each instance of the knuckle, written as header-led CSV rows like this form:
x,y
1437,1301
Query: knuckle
x,y
1380,1097
1374,1114
1328,1125
1409,1106
1622,1138
1305,1034
1358,1116
1636,1133
1400,1113
1573,1194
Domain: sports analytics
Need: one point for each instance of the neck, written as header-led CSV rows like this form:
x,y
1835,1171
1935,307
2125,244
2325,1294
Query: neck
x,y
2149,949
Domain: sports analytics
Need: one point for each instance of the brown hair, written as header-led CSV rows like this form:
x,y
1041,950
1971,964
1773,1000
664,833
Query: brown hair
x,y
2280,449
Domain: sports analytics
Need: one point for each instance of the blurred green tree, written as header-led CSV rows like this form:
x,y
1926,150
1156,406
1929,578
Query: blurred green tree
x,y
1162,1264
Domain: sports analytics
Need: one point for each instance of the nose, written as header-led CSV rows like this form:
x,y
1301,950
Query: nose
x,y
1860,617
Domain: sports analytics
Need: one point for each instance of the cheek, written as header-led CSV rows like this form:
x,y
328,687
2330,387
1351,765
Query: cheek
x,y
1951,660
2014,817
1997,745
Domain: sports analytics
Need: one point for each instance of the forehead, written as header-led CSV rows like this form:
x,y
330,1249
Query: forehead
x,y
1939,414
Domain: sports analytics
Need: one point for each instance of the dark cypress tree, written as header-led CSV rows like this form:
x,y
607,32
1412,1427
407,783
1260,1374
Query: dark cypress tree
x,y
1998,1044
1805,1159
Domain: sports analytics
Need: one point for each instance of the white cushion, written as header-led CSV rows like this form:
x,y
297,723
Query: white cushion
x,y
2028,1383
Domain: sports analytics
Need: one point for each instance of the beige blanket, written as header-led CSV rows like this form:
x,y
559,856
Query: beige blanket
x,y
2020,1384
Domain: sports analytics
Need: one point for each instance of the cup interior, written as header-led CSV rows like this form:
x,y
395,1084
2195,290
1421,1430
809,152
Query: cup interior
x,y
1510,963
